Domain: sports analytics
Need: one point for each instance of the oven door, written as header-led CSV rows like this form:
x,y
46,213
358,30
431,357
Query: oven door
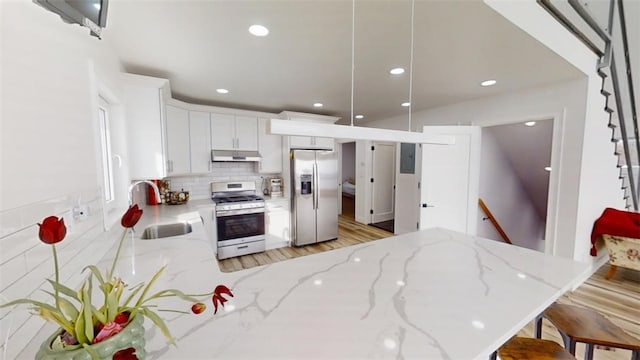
x,y
239,226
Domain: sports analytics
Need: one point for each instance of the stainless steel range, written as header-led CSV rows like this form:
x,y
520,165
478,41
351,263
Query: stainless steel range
x,y
239,218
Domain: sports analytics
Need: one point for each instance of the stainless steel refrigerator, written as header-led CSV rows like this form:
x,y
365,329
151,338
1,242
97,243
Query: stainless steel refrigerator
x,y
314,179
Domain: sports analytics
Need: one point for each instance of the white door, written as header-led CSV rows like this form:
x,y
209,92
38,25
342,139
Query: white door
x,y
384,171
450,180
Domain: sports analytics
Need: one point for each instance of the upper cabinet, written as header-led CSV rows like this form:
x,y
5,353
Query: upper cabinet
x,y
270,148
309,142
200,141
145,112
233,132
178,148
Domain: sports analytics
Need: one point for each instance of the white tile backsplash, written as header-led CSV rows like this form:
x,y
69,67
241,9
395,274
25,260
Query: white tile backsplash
x,y
25,262
199,185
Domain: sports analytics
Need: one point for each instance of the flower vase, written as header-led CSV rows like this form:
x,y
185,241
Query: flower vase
x,y
132,336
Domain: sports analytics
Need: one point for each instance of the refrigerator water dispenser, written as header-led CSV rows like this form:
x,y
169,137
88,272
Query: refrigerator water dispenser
x,y
305,184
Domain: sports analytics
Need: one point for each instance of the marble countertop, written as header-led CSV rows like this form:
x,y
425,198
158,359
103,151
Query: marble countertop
x,y
433,294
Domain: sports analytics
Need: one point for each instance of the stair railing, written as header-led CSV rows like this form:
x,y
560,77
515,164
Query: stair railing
x,y
608,60
493,220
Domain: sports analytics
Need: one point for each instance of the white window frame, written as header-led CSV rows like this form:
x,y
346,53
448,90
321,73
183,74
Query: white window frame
x,y
106,154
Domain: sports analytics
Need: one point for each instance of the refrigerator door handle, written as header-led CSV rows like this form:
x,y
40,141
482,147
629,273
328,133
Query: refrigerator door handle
x,y
315,186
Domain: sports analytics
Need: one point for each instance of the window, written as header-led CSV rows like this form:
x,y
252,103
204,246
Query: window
x,y
105,144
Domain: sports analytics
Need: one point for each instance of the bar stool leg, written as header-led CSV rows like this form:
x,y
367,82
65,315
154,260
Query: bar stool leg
x,y
494,356
538,327
572,345
588,354
635,355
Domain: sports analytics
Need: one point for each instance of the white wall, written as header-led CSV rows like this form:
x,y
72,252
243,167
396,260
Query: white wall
x,y
50,78
506,198
575,124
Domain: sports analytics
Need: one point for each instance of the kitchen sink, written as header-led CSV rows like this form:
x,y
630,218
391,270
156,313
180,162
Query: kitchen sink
x,y
166,230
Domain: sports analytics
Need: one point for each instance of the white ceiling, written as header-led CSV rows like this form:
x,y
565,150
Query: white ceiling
x,y
204,45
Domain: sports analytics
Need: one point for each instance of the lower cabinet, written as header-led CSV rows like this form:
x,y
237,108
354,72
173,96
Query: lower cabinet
x,y
277,223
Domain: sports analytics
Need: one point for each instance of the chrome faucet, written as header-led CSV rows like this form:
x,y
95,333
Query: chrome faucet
x,y
153,185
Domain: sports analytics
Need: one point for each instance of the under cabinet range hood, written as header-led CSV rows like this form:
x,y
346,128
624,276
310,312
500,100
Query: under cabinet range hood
x,y
234,155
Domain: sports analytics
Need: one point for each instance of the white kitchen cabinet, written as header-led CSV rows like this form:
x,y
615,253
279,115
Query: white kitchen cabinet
x,y
200,141
145,114
277,223
178,148
246,133
223,131
311,142
229,132
270,149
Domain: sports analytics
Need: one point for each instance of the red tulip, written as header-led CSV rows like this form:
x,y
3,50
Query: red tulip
x,y
198,308
126,354
217,296
131,217
52,230
121,318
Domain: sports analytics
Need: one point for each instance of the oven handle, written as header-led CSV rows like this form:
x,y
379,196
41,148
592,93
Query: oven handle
x,y
223,213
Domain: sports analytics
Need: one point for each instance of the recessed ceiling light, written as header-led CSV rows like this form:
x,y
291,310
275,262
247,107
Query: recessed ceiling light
x,y
530,123
488,83
396,71
258,30
405,104
222,91
359,116
547,168
318,105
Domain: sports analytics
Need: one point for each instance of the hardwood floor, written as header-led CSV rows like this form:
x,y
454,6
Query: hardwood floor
x,y
349,233
618,299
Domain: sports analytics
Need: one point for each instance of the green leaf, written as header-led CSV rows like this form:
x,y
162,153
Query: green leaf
x,y
112,305
146,289
91,351
99,315
94,270
172,292
66,306
134,291
65,290
88,319
159,323
79,327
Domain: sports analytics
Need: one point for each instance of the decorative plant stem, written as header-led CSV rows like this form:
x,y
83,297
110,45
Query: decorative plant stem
x,y
55,262
115,259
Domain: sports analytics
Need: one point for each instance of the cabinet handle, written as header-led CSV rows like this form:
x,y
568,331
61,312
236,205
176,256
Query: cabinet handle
x,y
243,247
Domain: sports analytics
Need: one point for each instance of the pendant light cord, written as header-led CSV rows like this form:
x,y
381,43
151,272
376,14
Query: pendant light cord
x,y
353,51
413,6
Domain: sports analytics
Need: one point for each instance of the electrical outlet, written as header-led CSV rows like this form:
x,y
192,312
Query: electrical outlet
x,y
80,212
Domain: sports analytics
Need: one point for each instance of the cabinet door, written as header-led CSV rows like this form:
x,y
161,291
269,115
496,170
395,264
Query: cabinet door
x,y
300,142
270,148
200,140
246,133
178,140
144,112
223,132
323,143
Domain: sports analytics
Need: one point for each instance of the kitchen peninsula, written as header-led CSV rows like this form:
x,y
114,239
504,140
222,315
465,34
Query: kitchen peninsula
x,y
433,294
